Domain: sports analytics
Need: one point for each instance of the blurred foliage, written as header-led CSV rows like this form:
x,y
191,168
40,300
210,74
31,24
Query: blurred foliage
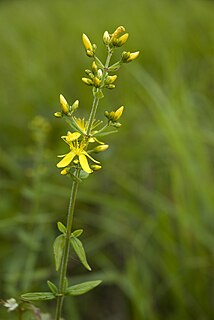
x,y
148,215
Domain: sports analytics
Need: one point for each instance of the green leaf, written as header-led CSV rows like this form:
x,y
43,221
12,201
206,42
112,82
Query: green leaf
x,y
78,248
82,288
52,287
77,233
36,296
61,227
58,246
105,133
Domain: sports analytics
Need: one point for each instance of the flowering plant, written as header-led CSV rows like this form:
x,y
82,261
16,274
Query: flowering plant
x,y
83,139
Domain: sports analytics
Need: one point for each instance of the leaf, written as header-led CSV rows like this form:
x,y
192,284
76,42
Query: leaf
x,y
58,246
78,248
77,233
82,288
34,296
52,287
61,227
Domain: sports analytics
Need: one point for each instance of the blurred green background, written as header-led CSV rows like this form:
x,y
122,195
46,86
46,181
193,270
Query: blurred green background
x,y
148,215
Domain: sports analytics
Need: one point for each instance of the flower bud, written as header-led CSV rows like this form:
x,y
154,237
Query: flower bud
x,y
99,73
87,43
95,167
75,105
101,148
88,46
96,82
117,32
110,79
87,81
132,56
125,56
106,38
118,113
117,124
64,104
110,86
94,67
122,40
65,171
58,114
114,115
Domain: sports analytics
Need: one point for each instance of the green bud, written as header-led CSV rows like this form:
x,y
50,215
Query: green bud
x,y
117,125
58,114
75,106
110,86
125,56
106,38
94,67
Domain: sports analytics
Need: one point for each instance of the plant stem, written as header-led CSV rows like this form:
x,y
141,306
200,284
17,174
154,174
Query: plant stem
x,y
64,264
96,96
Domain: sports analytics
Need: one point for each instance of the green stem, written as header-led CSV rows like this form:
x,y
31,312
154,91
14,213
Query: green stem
x,y
64,264
96,95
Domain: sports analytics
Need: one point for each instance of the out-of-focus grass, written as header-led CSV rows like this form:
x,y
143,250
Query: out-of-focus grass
x,y
148,215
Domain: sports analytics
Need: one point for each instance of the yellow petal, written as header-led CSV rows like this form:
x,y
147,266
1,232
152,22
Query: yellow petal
x,y
84,163
66,160
72,136
85,153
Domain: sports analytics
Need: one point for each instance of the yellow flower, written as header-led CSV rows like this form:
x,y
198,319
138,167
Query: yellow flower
x,y
77,153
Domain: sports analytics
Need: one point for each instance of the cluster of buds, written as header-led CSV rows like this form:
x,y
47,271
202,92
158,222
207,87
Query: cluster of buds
x,y
95,78
66,109
83,140
114,116
115,39
99,76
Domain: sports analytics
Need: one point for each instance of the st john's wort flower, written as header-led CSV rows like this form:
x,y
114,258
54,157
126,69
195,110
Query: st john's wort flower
x,y
77,153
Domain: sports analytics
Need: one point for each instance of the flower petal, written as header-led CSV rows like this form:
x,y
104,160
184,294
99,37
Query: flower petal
x,y
84,163
84,152
66,160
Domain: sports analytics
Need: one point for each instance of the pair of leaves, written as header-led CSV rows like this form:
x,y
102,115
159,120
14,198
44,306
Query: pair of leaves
x,y
59,245
79,249
75,290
